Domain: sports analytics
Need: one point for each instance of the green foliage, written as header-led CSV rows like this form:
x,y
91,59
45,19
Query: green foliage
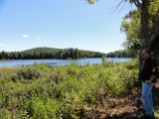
x,y
35,71
44,109
68,92
49,53
122,53
75,109
4,114
91,1
153,9
131,25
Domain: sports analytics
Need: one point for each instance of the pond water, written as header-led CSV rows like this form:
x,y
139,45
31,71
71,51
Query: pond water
x,y
59,62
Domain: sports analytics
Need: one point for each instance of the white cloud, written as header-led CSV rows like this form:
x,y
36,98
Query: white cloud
x,y
24,36
0,45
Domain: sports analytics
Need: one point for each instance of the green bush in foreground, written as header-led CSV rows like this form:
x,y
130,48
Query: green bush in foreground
x,y
70,92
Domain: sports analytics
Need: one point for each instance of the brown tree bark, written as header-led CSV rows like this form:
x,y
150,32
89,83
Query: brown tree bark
x,y
144,25
144,31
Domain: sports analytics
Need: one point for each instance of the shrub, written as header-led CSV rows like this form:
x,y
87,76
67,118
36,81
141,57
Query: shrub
x,y
5,114
62,92
44,109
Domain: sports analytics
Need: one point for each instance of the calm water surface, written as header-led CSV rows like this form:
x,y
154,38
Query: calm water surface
x,y
59,62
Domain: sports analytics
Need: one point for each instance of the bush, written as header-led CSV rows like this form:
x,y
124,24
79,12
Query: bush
x,y
44,109
4,114
70,92
35,71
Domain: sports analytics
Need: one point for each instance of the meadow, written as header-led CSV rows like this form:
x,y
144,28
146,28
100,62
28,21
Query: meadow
x,y
67,92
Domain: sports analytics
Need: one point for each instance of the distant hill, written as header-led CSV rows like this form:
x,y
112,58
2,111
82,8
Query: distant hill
x,y
42,50
50,53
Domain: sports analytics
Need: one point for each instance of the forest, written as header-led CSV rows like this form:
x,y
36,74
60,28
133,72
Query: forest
x,y
126,53
54,53
50,53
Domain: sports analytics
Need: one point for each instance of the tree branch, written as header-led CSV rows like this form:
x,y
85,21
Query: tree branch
x,y
137,3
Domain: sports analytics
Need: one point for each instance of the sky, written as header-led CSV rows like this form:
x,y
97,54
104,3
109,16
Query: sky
x,y
26,24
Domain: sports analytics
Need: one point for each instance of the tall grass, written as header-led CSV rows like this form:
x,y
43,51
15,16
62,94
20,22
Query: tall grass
x,y
69,92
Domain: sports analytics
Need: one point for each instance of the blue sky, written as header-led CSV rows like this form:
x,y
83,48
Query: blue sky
x,y
26,24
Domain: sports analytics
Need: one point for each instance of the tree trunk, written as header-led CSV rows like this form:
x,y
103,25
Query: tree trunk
x,y
144,28
144,25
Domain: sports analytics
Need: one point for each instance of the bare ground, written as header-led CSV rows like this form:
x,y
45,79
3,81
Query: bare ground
x,y
129,107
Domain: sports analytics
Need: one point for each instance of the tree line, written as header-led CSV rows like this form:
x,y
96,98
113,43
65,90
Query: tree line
x,y
70,53
122,53
50,53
